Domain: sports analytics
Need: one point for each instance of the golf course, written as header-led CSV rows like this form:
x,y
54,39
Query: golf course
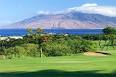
x,y
57,38
65,66
37,55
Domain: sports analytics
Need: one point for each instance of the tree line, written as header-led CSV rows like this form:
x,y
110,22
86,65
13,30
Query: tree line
x,y
37,43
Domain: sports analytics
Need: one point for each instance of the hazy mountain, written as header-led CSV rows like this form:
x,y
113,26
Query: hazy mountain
x,y
70,20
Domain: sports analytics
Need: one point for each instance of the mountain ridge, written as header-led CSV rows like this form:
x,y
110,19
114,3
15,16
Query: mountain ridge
x,y
71,20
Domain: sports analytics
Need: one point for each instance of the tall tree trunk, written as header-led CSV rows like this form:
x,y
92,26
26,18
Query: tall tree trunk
x,y
41,51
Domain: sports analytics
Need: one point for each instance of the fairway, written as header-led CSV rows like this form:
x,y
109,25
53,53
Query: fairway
x,y
66,66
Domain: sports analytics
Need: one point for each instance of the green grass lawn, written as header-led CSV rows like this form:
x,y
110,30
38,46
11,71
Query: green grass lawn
x,y
66,66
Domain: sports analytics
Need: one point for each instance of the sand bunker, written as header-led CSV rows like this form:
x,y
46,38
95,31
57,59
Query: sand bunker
x,y
96,54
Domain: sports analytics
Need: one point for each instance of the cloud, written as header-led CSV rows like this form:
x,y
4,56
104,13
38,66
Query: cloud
x,y
89,5
94,8
48,12
91,8
44,12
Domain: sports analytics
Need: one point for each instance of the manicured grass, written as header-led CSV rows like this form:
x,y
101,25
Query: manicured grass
x,y
66,66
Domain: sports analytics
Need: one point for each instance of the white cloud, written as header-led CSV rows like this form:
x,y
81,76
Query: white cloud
x,y
48,12
44,12
89,5
91,8
95,9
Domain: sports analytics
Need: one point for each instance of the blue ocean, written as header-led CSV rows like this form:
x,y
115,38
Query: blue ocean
x,y
22,32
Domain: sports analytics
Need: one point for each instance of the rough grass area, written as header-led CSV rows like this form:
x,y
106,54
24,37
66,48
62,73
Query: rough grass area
x,y
66,66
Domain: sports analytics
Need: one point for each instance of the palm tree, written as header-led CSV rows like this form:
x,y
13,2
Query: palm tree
x,y
30,30
39,31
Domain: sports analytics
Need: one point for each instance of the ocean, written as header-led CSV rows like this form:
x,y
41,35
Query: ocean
x,y
22,32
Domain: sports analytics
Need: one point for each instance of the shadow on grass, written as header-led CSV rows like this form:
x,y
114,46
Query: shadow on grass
x,y
58,73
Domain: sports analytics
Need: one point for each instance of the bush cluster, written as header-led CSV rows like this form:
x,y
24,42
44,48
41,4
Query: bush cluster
x,y
22,51
36,44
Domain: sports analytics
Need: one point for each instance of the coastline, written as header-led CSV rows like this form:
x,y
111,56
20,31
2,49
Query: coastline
x,y
10,37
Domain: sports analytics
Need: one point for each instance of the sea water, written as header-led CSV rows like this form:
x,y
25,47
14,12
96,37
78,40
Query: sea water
x,y
22,32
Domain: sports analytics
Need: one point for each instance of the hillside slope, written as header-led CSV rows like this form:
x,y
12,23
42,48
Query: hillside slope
x,y
71,20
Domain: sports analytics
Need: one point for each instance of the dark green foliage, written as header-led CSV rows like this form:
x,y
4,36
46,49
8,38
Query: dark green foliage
x,y
49,45
16,51
109,30
93,37
31,50
110,36
56,49
36,43
23,50
82,46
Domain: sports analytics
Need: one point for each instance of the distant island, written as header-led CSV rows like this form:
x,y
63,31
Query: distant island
x,y
69,20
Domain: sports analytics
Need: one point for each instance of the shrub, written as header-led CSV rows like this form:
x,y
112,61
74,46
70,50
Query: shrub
x,y
16,51
31,50
56,49
109,30
78,46
23,50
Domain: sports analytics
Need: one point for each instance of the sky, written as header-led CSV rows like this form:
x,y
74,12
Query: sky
x,y
16,10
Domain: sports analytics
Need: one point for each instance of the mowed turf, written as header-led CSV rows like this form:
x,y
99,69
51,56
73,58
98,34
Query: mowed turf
x,y
66,66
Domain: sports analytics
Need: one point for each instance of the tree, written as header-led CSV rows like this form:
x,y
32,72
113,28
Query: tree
x,y
39,31
30,30
110,36
42,40
109,30
36,35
